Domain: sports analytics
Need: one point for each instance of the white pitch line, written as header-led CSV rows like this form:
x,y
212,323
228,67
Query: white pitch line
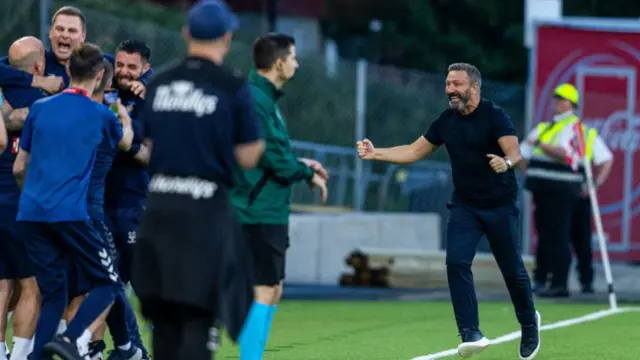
x,y
556,325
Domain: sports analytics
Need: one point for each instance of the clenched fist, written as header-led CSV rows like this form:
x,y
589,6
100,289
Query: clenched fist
x,y
366,150
497,163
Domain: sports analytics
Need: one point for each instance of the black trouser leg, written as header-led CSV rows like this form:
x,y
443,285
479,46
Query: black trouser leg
x,y
553,223
195,335
544,246
464,231
581,236
167,335
502,228
180,333
560,219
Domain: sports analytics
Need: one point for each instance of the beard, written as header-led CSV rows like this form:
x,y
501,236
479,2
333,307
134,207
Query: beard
x,y
458,101
123,81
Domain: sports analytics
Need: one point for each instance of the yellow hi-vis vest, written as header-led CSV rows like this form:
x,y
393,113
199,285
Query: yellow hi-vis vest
x,y
550,136
548,174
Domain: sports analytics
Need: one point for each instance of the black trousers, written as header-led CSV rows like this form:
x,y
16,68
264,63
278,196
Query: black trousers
x,y
581,236
466,226
179,332
553,219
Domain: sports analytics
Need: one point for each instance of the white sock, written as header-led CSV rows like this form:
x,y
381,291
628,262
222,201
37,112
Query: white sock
x,y
62,327
83,342
21,348
33,339
125,347
3,351
213,344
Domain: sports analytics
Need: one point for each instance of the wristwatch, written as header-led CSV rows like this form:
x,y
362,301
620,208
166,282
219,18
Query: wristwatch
x,y
508,162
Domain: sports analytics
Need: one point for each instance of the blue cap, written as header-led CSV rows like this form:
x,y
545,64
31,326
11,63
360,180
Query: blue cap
x,y
210,19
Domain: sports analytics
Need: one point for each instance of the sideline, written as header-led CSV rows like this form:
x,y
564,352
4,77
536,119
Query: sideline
x,y
556,325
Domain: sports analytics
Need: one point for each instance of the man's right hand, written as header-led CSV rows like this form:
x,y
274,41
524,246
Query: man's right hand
x,y
318,181
50,84
366,150
317,167
137,88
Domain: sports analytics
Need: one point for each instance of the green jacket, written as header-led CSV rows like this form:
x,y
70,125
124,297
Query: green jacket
x,y
262,195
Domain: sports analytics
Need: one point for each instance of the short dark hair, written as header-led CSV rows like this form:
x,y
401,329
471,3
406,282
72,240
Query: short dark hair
x,y
85,62
70,11
108,76
135,47
472,71
269,48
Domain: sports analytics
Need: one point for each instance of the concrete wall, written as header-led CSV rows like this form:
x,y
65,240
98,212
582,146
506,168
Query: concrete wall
x,y
320,243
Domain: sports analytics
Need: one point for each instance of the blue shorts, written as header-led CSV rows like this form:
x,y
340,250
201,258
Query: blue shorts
x,y
52,246
78,282
123,225
14,259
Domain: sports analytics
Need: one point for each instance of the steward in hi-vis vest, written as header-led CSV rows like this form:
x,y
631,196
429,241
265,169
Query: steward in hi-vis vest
x,y
562,212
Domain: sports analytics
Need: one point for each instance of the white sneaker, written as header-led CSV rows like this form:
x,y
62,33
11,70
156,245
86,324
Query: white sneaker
x,y
468,349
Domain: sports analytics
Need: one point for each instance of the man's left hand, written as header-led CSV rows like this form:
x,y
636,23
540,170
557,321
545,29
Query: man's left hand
x,y
497,163
317,167
138,88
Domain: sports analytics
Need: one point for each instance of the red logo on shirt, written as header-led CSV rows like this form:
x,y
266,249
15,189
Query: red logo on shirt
x,y
16,145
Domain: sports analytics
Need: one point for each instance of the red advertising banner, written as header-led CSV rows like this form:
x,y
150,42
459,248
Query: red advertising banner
x,y
604,64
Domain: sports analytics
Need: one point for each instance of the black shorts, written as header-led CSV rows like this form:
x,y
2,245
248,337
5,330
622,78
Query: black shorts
x,y
14,258
268,244
184,250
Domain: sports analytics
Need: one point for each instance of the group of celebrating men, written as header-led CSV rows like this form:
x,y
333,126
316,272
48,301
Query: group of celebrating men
x,y
67,296
75,170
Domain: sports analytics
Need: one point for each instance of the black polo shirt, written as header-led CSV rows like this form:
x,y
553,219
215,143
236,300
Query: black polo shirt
x,y
195,114
468,139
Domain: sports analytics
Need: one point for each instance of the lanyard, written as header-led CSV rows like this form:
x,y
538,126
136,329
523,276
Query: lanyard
x,y
75,91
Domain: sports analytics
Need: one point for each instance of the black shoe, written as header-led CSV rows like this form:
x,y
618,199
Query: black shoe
x,y
530,341
66,350
558,292
96,347
587,289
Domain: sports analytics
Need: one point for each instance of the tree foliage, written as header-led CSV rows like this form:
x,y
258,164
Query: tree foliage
x,y
429,34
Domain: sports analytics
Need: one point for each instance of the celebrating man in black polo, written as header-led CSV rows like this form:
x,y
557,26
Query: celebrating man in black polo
x,y
483,147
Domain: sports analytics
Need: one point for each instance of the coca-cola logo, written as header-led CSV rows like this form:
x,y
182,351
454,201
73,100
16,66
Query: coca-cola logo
x,y
619,131
619,54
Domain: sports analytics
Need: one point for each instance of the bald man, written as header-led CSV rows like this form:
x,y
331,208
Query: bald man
x,y
26,54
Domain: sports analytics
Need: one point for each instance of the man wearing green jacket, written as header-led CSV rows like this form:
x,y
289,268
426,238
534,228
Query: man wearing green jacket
x,y
261,196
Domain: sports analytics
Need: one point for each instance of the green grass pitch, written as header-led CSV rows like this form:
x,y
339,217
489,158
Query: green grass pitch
x,y
310,330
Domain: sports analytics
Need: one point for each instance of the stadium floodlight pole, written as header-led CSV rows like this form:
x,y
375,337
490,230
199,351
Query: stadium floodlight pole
x,y
45,17
360,129
597,218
